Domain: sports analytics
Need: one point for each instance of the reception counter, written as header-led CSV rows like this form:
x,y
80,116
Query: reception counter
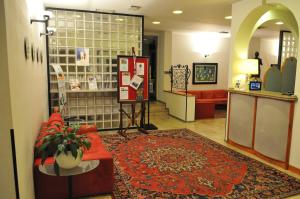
x,y
261,122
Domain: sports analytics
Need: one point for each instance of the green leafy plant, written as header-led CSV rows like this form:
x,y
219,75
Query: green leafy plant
x,y
61,142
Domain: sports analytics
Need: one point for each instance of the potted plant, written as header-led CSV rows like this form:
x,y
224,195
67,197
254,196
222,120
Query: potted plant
x,y
66,146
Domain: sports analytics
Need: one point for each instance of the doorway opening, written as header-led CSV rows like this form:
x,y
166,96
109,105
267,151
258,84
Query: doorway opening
x,y
150,49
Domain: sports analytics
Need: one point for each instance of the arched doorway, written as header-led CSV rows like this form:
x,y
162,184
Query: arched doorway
x,y
255,19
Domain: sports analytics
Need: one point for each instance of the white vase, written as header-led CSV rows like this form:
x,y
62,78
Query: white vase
x,y
68,161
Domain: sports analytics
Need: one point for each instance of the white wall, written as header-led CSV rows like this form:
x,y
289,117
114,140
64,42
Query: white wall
x,y
268,51
7,187
188,48
28,85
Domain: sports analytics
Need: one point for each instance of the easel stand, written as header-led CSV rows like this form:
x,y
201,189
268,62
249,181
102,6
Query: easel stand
x,y
132,118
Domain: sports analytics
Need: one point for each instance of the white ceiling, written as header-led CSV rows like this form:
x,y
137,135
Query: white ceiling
x,y
198,15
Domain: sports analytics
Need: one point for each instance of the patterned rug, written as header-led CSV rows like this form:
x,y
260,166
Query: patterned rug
x,y
182,164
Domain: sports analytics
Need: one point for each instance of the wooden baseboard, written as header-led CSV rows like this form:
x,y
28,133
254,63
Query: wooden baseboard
x,y
279,163
294,169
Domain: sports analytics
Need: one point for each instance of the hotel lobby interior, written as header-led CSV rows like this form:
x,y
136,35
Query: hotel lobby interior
x,y
149,99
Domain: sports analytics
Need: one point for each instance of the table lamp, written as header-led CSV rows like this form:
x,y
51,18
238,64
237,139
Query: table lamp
x,y
249,67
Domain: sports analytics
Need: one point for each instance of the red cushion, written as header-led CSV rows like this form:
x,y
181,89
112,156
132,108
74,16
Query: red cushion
x,y
87,129
55,118
207,94
219,94
215,100
197,94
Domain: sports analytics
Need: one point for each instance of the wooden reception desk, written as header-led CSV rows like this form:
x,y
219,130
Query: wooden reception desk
x,y
261,122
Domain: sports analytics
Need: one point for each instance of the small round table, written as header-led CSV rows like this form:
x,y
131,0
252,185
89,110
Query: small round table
x,y
83,167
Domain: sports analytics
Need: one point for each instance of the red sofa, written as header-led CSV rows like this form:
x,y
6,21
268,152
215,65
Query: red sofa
x,y
206,100
96,182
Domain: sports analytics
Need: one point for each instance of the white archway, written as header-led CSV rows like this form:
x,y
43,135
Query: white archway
x,y
256,18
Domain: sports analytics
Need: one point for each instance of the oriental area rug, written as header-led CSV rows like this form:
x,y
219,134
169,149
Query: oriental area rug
x,y
182,164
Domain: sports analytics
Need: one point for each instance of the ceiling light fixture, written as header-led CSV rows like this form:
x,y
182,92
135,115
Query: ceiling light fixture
x,y
105,10
228,17
156,22
177,12
135,8
279,23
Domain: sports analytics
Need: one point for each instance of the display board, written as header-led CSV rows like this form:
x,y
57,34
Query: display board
x,y
132,78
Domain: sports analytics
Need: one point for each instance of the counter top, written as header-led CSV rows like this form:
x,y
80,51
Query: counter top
x,y
265,94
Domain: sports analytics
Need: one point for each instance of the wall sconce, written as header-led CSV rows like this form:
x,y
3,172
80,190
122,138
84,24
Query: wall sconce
x,y
47,15
50,31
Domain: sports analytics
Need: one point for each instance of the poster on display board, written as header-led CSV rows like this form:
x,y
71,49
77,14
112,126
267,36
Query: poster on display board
x,y
61,87
82,56
133,78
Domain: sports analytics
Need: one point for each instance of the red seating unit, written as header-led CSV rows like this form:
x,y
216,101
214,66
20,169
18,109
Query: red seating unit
x,y
206,100
96,182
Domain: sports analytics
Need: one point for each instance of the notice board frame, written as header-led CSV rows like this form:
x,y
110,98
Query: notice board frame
x,y
132,60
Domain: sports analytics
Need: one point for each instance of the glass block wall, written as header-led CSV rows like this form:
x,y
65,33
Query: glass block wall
x,y
106,36
289,46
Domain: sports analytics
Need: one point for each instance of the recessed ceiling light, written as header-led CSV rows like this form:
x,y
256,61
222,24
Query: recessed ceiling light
x,y
177,12
279,23
228,17
156,22
135,8
119,19
223,32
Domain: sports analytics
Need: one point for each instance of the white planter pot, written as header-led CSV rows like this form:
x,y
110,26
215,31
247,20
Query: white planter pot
x,y
68,161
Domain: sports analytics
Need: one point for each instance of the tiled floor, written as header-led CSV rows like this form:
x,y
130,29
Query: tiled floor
x,y
210,128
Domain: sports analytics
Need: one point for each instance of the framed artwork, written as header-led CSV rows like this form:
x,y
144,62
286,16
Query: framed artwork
x,y
205,73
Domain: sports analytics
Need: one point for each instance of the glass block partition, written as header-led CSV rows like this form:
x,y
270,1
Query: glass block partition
x,y
106,36
287,47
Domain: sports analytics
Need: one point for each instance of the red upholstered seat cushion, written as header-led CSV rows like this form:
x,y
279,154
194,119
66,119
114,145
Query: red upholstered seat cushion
x,y
207,94
55,118
215,100
197,94
203,101
86,129
220,94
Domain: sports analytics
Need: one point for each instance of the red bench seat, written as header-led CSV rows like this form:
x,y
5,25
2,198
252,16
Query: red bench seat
x,y
206,100
96,182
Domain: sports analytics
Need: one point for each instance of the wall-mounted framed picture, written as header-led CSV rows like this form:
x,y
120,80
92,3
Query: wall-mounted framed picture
x,y
32,53
205,73
41,56
26,48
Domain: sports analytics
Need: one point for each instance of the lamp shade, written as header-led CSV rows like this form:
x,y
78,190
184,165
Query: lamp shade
x,y
250,66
